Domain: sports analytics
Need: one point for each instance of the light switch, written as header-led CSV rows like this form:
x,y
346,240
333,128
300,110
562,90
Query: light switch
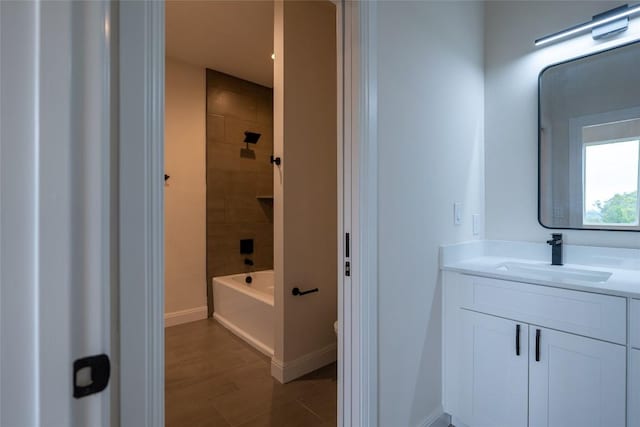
x,y
457,213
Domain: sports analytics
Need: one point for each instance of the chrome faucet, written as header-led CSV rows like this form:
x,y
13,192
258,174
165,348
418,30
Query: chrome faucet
x,y
556,248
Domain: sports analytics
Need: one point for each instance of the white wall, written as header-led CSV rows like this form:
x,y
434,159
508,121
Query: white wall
x,y
310,179
19,359
305,186
512,65
430,136
185,192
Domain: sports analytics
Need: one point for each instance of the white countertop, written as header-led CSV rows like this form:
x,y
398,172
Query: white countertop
x,y
484,258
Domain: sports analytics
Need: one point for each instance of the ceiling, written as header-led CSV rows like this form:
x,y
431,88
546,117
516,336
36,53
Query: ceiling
x,y
234,37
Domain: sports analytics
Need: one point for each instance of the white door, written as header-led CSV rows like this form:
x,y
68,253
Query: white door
x,y
57,222
634,388
575,381
493,379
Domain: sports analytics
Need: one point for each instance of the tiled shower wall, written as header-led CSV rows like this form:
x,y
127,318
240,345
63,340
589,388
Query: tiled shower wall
x,y
239,180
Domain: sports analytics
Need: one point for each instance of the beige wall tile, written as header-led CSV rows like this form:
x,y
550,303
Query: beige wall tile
x,y
228,103
216,179
265,111
217,79
235,129
241,184
244,210
263,257
229,157
264,184
236,175
215,211
215,128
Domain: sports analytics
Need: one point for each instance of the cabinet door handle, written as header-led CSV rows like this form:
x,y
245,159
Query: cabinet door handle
x,y
537,345
517,340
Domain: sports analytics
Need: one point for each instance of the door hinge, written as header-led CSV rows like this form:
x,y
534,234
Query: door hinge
x,y
90,375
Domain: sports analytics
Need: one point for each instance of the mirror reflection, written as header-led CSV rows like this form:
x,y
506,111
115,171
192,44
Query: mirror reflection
x,y
589,142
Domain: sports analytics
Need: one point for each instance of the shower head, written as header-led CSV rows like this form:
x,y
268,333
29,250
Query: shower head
x,y
251,137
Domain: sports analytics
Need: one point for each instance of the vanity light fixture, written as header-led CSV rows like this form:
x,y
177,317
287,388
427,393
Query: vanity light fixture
x,y
605,24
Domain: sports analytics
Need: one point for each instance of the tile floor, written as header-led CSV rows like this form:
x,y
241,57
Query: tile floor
x,y
215,379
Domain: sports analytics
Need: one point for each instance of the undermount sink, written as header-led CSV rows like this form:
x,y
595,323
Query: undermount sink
x,y
555,272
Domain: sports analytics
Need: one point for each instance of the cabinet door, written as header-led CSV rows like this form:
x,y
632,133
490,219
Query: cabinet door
x,y
634,388
575,381
493,375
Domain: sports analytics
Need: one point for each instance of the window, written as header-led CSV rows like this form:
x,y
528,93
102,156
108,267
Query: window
x,y
610,174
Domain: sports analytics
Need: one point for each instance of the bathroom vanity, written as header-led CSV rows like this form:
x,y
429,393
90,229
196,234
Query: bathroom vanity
x,y
526,343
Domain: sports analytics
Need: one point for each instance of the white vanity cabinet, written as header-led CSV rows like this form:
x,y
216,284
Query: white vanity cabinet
x,y
634,365
526,355
576,381
634,389
635,324
493,371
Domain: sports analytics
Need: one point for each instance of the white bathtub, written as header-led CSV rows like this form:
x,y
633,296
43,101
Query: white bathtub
x,y
246,309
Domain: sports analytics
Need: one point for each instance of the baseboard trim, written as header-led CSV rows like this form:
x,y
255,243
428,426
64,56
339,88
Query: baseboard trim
x,y
257,344
289,371
437,418
185,316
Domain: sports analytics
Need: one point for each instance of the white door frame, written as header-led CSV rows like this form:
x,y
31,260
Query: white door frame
x,y
58,228
141,34
359,305
141,258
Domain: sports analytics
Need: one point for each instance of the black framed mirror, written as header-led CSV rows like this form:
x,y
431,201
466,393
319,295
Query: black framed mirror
x,y
589,142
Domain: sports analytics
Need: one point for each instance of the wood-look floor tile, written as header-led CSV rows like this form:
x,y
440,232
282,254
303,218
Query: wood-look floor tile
x,y
324,405
321,398
246,403
290,414
213,378
192,413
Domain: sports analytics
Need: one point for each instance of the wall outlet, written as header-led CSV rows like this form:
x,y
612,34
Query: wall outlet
x,y
476,224
457,213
